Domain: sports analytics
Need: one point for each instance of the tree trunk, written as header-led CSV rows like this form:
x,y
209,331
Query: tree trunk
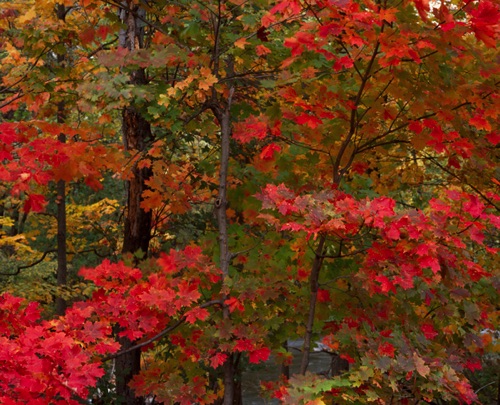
x,y
338,365
313,286
127,366
285,368
224,117
136,132
138,223
137,234
62,257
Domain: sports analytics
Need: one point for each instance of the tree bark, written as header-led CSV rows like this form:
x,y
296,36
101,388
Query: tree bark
x,y
62,255
62,258
137,235
127,366
137,133
338,365
285,368
313,287
224,117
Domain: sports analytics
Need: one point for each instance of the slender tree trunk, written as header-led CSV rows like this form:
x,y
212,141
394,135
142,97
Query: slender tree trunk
x,y
285,368
338,365
137,232
313,287
338,173
224,117
62,258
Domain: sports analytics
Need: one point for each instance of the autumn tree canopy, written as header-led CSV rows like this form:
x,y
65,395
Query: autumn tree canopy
x,y
186,186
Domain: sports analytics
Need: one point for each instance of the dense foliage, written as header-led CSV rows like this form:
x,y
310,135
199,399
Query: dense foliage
x,y
186,186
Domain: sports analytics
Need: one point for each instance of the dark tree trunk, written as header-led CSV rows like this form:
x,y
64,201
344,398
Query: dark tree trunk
x,y
223,115
127,366
137,233
136,132
62,257
285,368
313,287
338,365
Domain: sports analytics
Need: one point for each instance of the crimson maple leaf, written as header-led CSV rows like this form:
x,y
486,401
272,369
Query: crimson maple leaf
x,y
35,203
196,314
217,360
262,354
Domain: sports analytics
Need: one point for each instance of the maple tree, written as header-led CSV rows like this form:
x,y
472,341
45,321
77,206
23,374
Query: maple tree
x,y
323,170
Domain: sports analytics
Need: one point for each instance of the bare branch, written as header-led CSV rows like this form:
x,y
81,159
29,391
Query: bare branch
x,y
44,255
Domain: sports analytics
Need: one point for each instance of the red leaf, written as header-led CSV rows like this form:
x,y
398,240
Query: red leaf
x,y
218,360
323,295
386,284
349,359
197,314
493,138
167,263
480,122
431,262
422,8
87,36
310,120
8,134
393,232
345,62
243,345
233,303
268,151
188,293
484,22
386,349
259,355
473,364
103,31
286,7
474,206
416,127
35,203
448,26
252,128
386,333
428,331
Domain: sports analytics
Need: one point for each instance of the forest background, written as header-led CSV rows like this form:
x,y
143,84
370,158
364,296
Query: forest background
x,y
186,186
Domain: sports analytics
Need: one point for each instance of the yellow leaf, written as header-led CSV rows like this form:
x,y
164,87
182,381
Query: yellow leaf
x,y
163,100
28,16
6,221
172,91
316,402
240,43
207,82
185,83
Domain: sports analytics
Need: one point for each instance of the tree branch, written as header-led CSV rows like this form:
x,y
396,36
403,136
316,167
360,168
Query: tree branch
x,y
160,334
44,255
